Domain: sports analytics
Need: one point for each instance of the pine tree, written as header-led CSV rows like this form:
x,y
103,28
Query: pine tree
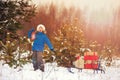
x,y
12,14
68,41
13,51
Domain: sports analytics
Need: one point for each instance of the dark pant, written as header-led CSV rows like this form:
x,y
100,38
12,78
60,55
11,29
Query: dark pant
x,y
37,60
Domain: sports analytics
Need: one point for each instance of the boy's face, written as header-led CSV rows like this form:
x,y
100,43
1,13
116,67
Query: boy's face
x,y
40,29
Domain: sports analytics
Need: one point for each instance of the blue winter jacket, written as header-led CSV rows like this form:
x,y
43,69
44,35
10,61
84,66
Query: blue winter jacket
x,y
40,40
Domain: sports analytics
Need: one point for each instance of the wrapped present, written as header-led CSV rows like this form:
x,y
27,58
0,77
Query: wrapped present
x,y
90,56
90,59
79,63
90,66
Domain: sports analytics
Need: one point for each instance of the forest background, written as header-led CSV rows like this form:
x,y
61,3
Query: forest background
x,y
68,28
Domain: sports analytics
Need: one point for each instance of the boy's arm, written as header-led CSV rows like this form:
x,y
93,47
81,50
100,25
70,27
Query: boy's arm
x,y
48,43
30,32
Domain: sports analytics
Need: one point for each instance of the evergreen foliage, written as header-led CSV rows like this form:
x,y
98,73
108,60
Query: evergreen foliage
x,y
12,14
68,41
15,51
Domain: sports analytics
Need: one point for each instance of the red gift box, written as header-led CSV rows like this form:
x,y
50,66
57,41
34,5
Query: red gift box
x,y
90,66
92,57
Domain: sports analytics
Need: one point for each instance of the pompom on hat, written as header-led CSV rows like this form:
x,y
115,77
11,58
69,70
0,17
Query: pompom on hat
x,y
42,26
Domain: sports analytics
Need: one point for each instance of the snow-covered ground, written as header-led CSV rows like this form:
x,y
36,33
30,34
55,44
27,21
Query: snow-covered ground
x,y
52,72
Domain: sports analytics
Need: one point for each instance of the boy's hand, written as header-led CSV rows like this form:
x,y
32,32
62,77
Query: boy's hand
x,y
53,50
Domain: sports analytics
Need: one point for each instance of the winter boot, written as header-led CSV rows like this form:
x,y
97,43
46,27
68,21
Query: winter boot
x,y
41,67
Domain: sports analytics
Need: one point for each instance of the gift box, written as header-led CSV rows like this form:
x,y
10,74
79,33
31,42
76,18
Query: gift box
x,y
90,66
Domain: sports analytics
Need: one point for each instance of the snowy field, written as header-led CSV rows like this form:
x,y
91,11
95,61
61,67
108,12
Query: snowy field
x,y
52,72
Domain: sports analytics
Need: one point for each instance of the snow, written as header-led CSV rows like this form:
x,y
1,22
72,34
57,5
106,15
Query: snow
x,y
54,72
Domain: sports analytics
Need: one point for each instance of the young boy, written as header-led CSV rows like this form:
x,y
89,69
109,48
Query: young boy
x,y
39,39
